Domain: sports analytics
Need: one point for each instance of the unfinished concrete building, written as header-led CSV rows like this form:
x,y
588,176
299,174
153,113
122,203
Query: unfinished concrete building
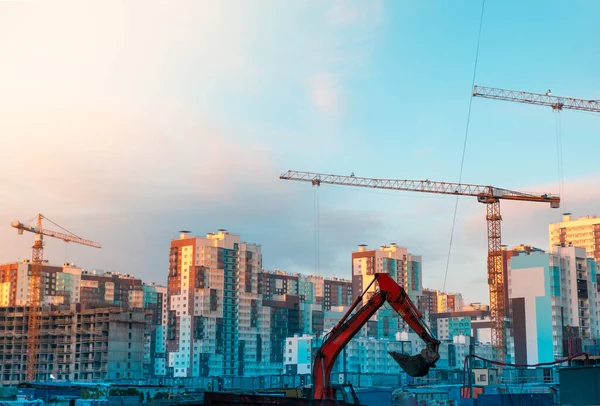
x,y
105,344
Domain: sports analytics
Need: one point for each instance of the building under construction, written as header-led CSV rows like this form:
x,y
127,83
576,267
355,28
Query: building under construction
x,y
103,344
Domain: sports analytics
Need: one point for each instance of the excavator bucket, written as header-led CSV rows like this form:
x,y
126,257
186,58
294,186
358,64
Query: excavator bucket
x,y
414,365
418,365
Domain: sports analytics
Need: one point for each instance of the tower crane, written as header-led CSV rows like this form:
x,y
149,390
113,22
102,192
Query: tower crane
x,y
547,99
37,257
488,195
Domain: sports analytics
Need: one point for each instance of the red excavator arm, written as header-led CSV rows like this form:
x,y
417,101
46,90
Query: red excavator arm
x,y
347,327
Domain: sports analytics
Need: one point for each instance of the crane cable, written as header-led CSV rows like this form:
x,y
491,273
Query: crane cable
x,y
464,150
559,158
317,220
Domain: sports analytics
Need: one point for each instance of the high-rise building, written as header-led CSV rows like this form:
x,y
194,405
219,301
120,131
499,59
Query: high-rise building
x,y
507,254
405,268
433,301
217,324
554,302
583,232
155,349
284,322
455,302
316,294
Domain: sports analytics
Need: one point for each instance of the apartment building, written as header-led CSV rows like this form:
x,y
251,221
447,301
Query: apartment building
x,y
217,324
404,267
14,279
285,322
111,288
432,301
75,345
69,284
554,301
473,323
328,292
455,302
316,297
507,254
155,301
583,232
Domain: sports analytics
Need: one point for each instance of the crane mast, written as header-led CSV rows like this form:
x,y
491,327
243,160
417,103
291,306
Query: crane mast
x,y
34,305
488,195
547,99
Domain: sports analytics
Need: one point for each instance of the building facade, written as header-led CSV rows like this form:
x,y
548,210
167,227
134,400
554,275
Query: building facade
x,y
404,267
155,301
69,284
470,323
583,232
217,324
74,345
298,354
554,302
455,302
433,301
370,355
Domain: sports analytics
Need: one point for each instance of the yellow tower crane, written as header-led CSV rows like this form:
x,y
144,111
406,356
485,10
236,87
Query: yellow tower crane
x,y
37,257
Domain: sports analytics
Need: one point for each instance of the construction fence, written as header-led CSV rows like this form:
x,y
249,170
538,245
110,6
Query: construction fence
x,y
298,381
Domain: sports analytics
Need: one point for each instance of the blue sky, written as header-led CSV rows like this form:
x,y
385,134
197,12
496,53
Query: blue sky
x,y
128,121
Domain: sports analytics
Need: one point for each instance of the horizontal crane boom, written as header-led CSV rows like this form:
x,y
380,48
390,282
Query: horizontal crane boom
x,y
426,186
556,102
61,236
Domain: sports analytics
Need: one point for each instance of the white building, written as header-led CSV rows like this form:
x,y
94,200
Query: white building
x,y
554,302
581,232
217,324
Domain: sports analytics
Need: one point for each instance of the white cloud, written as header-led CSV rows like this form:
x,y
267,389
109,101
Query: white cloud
x,y
325,93
100,160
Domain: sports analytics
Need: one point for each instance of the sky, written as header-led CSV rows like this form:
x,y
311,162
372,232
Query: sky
x,y
125,122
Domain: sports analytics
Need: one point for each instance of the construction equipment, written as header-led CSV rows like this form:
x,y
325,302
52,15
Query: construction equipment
x,y
37,257
392,293
547,99
488,195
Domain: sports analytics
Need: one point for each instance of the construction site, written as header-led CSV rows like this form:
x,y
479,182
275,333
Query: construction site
x,y
224,330
73,345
